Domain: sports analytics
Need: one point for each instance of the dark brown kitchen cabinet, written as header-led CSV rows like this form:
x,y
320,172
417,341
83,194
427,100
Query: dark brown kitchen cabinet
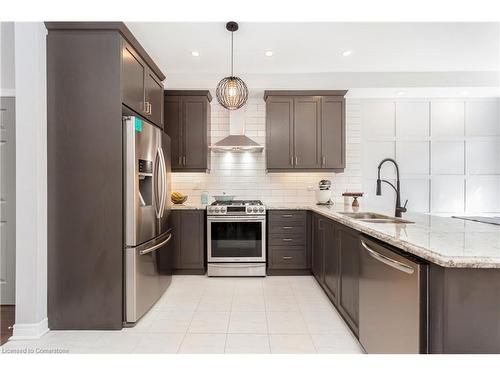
x,y
134,70
306,124
332,133
187,122
189,241
331,260
153,95
288,239
93,70
279,132
142,90
335,265
318,263
349,243
305,130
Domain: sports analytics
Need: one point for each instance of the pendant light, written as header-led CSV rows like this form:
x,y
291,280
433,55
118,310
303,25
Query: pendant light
x,y
232,92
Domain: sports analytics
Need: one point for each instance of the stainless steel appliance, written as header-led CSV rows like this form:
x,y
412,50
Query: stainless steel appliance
x,y
392,301
148,251
236,238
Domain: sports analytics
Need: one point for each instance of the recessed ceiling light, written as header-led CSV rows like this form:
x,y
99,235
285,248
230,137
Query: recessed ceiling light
x,y
268,53
400,93
346,53
195,53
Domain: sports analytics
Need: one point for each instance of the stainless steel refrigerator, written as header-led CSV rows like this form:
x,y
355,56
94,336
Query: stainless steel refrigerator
x,y
148,238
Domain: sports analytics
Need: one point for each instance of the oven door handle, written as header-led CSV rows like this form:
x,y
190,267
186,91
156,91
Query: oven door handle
x,y
236,220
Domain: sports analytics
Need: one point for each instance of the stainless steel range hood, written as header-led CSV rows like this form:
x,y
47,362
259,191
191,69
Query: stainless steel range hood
x,y
237,141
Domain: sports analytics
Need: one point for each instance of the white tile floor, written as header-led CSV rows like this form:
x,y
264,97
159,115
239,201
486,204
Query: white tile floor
x,y
198,314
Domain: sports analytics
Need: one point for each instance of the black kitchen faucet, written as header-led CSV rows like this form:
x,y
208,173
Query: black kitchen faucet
x,y
399,210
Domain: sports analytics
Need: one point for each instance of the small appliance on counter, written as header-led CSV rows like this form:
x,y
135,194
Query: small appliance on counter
x,y
355,196
324,194
204,197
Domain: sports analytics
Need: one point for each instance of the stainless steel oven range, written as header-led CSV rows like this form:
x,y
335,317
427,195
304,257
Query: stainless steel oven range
x,y
236,238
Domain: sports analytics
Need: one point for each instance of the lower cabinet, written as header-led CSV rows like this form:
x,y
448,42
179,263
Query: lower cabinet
x,y
288,239
348,243
335,265
189,241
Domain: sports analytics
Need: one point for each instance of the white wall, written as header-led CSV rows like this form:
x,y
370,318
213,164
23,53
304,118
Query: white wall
x,y
31,180
448,151
7,68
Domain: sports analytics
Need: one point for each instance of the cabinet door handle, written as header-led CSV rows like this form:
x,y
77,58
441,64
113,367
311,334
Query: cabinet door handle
x,y
287,227
323,160
183,160
287,215
180,160
296,160
287,258
291,160
150,108
287,239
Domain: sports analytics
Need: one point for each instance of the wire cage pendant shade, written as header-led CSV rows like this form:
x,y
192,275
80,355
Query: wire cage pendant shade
x,y
232,92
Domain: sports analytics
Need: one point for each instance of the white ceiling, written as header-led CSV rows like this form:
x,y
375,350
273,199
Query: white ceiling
x,y
317,47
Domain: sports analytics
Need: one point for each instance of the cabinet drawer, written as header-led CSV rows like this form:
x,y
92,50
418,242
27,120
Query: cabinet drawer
x,y
288,257
287,216
287,228
291,239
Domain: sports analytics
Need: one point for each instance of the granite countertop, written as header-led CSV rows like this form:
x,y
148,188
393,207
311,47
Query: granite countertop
x,y
445,241
188,206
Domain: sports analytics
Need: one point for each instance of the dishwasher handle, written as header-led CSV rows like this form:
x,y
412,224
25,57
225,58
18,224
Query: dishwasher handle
x,y
386,260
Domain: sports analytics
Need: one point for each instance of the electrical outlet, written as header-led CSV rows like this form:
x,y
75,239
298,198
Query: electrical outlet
x,y
310,187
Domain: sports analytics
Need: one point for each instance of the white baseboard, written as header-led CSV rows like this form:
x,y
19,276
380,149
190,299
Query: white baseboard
x,y
30,331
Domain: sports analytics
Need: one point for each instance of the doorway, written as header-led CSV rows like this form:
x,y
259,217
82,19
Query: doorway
x,y
7,217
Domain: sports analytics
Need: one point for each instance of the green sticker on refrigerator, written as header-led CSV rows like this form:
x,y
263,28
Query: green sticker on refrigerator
x,y
138,125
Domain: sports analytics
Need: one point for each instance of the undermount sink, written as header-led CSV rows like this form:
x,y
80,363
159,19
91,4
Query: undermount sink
x,y
372,217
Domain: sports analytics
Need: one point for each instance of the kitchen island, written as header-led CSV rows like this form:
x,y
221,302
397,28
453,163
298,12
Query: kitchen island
x,y
461,285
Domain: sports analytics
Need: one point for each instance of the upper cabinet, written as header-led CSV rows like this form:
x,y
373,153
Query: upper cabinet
x,y
142,90
187,122
305,130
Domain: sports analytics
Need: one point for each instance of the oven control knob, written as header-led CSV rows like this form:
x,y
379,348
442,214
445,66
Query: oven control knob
x,y
261,209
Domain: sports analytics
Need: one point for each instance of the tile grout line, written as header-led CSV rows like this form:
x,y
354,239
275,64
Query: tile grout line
x,y
229,320
191,321
305,323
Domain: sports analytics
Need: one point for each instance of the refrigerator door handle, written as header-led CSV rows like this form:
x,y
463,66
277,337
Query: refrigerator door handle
x,y
157,186
156,247
163,182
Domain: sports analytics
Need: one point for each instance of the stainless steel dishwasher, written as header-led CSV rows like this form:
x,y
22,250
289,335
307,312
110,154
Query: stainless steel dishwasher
x,y
392,301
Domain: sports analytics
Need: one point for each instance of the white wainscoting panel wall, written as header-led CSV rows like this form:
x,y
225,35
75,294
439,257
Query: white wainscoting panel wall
x,y
448,152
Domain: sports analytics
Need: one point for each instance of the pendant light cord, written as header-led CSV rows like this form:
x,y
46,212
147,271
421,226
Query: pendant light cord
x,y
232,54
